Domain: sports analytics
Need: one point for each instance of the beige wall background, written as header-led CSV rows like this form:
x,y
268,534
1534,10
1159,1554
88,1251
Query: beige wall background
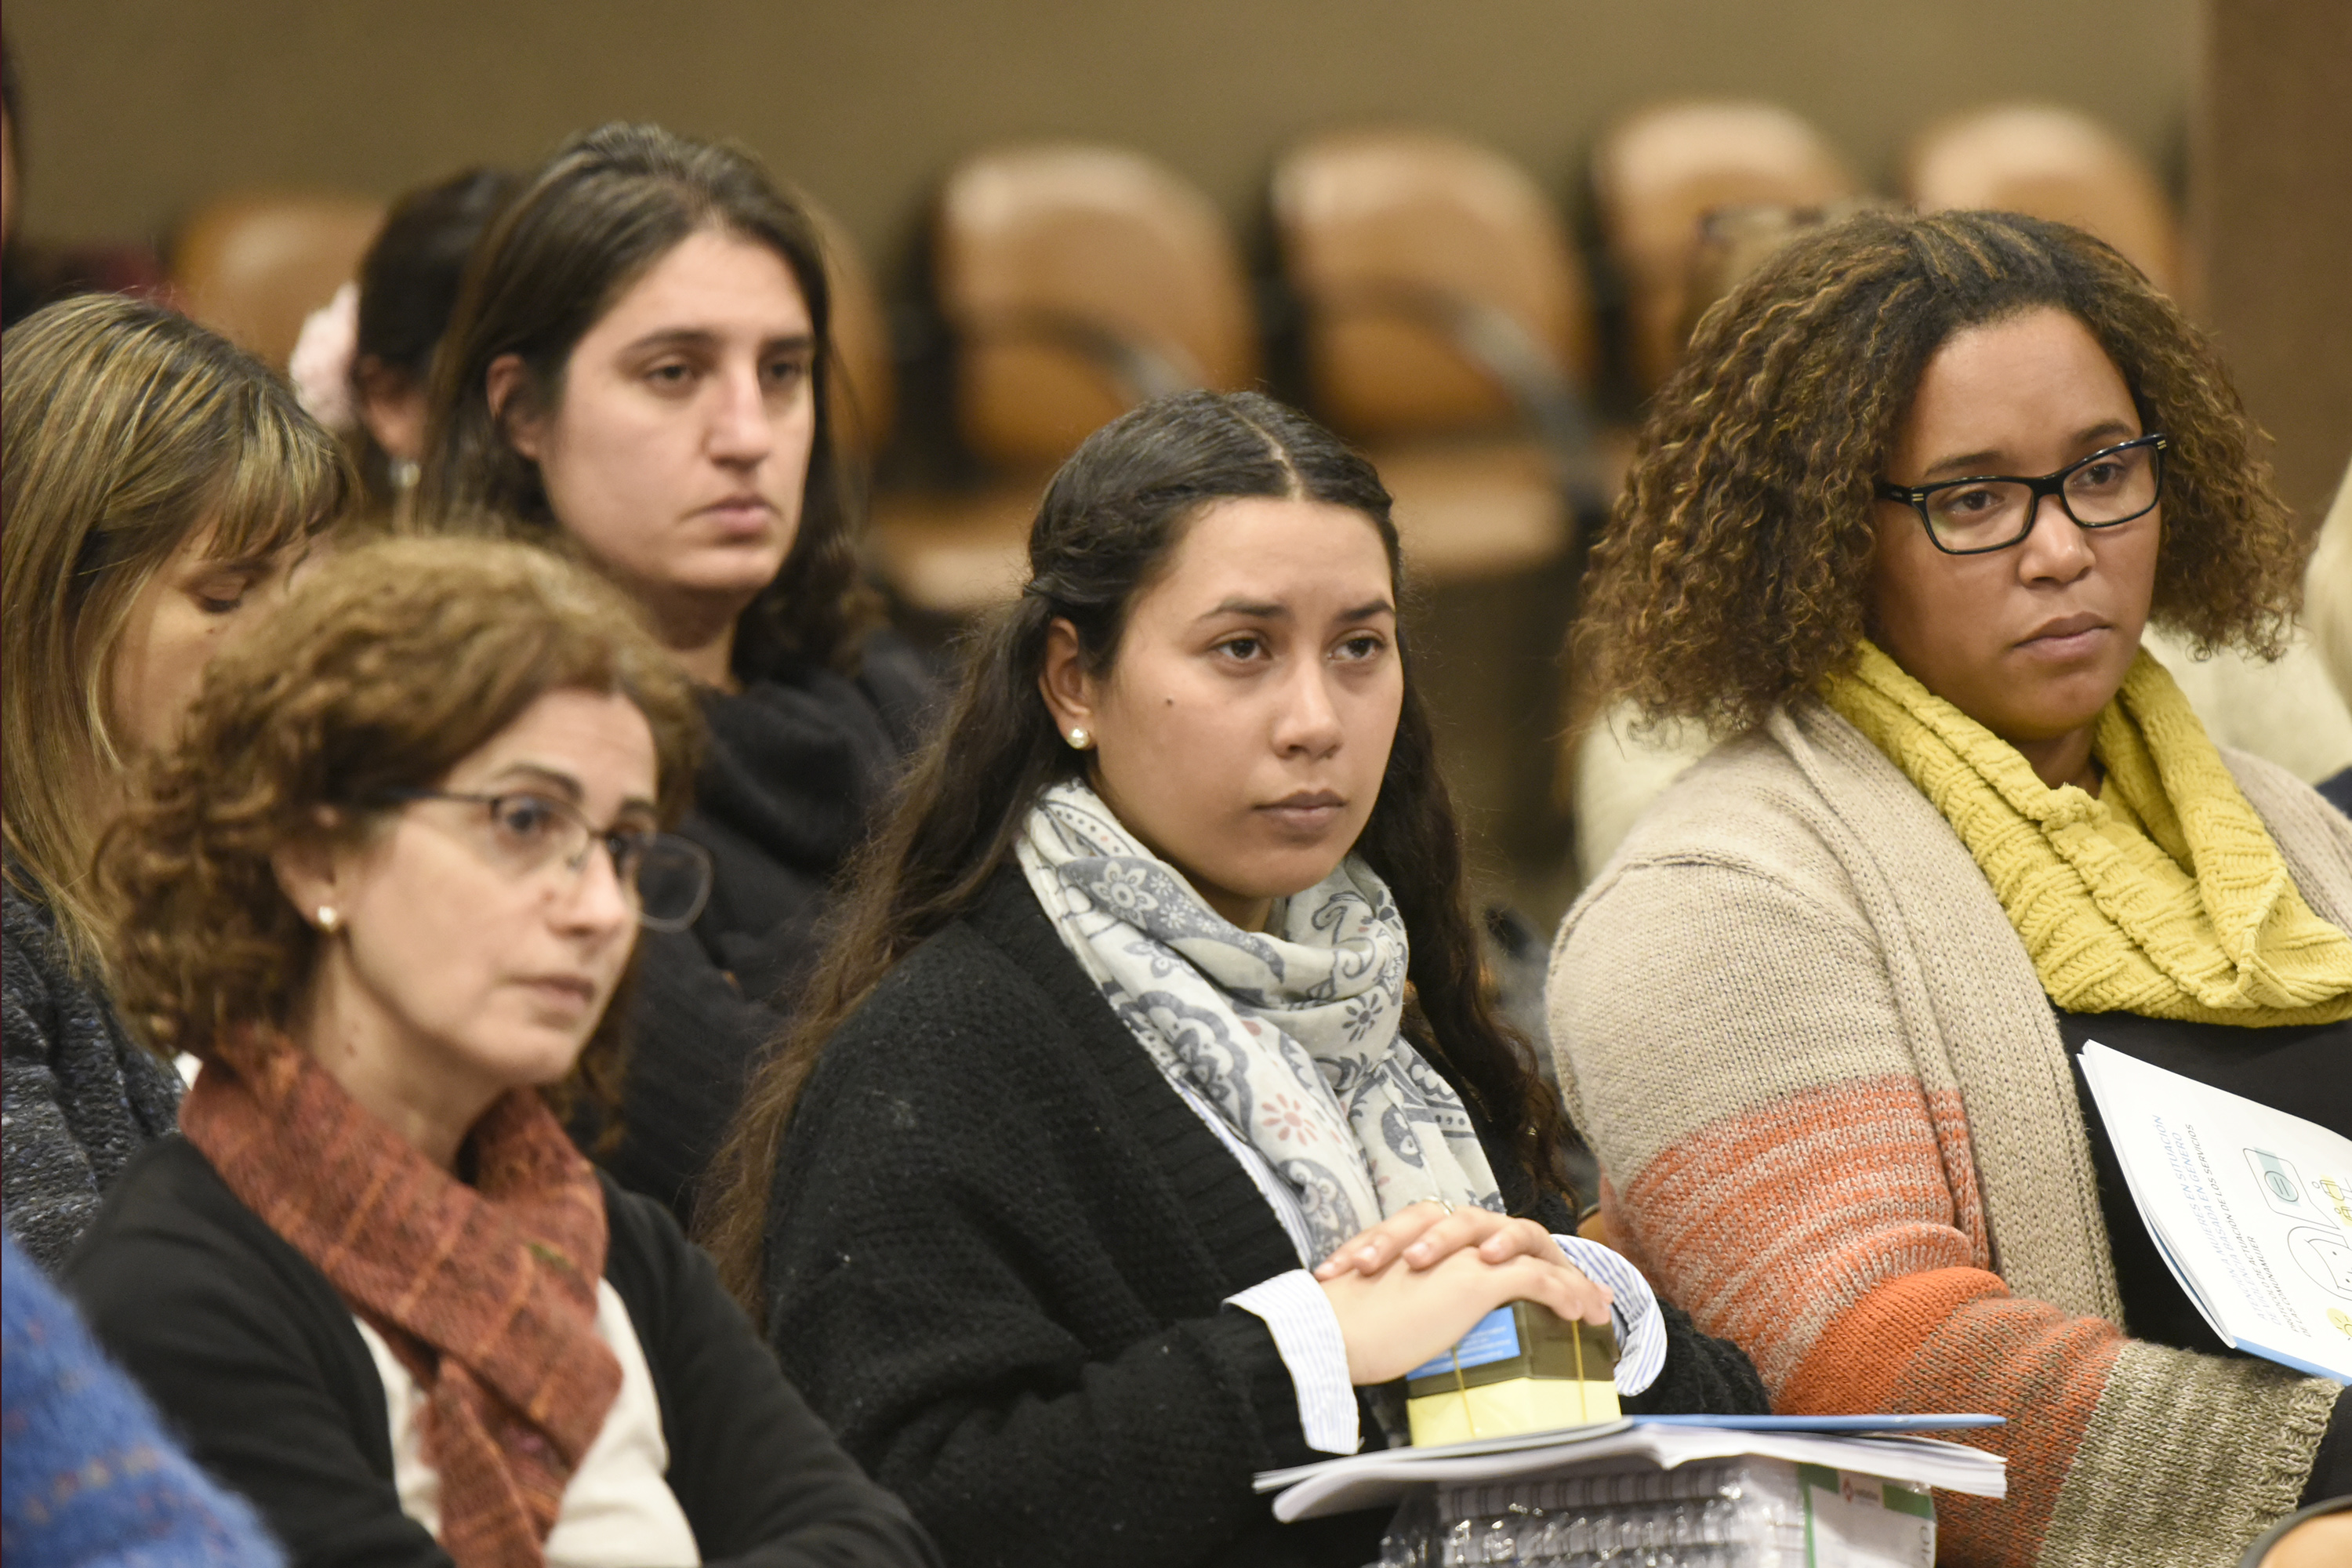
x,y
137,108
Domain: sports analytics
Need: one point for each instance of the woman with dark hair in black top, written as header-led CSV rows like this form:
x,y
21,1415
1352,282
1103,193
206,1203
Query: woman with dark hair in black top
x,y
1151,1104
637,375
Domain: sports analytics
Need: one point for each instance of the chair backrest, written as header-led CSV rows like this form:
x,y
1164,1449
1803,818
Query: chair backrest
x,y
1658,173
252,266
1734,242
1387,237
1080,279
866,402
2049,163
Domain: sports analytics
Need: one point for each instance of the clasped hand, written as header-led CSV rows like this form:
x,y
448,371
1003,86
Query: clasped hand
x,y
1414,1284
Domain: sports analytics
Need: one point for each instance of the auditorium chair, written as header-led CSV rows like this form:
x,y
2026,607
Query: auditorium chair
x,y
1076,282
1657,173
865,393
2048,163
252,266
1446,327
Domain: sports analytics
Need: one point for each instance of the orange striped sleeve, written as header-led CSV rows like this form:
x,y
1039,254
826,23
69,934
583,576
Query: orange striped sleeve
x,y
1821,1232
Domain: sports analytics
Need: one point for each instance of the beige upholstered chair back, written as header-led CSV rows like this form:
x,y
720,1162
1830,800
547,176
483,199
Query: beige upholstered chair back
x,y
864,399
1658,174
2049,163
1398,243
253,266
1080,281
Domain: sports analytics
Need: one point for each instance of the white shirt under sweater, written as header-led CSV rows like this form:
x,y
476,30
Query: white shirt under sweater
x,y
1307,1331
618,1510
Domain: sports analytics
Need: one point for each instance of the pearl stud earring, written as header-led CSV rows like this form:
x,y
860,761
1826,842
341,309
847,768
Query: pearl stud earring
x,y
330,919
1080,738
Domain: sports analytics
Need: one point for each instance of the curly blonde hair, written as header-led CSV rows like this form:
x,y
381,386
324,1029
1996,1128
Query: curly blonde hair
x,y
1732,576
390,665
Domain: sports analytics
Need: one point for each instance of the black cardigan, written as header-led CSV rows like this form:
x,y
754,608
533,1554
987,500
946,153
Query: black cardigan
x,y
79,1097
998,1246
797,763
254,1359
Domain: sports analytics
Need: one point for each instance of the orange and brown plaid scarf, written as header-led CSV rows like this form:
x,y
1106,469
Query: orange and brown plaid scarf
x,y
486,1293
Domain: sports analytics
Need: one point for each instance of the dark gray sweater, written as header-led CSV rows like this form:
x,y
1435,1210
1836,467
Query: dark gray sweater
x,y
77,1098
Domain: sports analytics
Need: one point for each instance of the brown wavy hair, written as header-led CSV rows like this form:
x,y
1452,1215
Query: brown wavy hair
x,y
1107,524
591,222
394,663
130,430
1732,576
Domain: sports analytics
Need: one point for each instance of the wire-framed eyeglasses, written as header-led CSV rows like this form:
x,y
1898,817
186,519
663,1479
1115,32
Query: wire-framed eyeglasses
x,y
1993,512
666,876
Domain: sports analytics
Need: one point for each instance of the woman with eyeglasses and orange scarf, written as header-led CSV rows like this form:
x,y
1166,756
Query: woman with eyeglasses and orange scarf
x,y
387,891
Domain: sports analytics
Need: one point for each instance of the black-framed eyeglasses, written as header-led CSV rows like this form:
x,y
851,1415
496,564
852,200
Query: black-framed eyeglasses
x,y
666,876
1993,512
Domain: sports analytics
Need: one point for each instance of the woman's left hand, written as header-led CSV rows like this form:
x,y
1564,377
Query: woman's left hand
x,y
1425,1234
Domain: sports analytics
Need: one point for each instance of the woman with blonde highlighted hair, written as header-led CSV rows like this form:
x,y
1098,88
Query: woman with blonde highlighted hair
x,y
160,484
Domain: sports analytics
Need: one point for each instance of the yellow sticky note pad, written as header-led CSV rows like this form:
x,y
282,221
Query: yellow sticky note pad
x,y
1521,1369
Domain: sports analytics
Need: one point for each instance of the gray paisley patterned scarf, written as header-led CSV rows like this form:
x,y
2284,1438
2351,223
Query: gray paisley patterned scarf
x,y
1291,1037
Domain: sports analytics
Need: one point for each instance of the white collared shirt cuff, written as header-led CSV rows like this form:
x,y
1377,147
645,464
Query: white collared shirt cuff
x,y
1306,1336
1641,1327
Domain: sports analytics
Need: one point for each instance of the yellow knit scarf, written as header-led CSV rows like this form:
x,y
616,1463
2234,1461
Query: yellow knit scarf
x,y
2164,895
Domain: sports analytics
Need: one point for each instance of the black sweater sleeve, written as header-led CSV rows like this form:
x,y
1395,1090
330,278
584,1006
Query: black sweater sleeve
x,y
252,1359
1021,1336
760,1479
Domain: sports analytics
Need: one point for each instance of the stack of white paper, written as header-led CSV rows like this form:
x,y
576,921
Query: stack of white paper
x,y
2251,1207
1370,1481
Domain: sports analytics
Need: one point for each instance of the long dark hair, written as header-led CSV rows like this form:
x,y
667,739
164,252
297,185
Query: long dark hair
x,y
1104,532
408,288
609,205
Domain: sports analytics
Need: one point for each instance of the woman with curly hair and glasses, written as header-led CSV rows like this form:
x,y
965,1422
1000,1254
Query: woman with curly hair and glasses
x,y
387,892
1898,524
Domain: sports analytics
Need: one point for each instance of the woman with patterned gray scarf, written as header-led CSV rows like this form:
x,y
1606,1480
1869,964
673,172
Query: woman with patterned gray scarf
x,y
1149,1108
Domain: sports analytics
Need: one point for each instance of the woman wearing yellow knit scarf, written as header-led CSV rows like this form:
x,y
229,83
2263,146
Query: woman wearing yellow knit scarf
x,y
1893,535
2161,895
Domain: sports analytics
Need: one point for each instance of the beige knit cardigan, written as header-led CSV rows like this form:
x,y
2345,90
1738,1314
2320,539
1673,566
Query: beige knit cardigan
x,y
1836,1123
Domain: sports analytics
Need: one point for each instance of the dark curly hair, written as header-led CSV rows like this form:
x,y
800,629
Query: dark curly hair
x,y
1109,522
608,207
393,664
1731,577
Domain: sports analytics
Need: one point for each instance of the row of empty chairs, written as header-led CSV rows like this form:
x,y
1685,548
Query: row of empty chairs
x,y
1447,320
1444,316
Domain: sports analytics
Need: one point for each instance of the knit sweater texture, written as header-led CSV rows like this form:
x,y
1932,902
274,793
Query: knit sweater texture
x,y
797,763
77,1097
2161,896
998,1250
1836,1120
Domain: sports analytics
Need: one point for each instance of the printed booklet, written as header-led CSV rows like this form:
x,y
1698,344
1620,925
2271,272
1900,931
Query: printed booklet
x,y
2251,1207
